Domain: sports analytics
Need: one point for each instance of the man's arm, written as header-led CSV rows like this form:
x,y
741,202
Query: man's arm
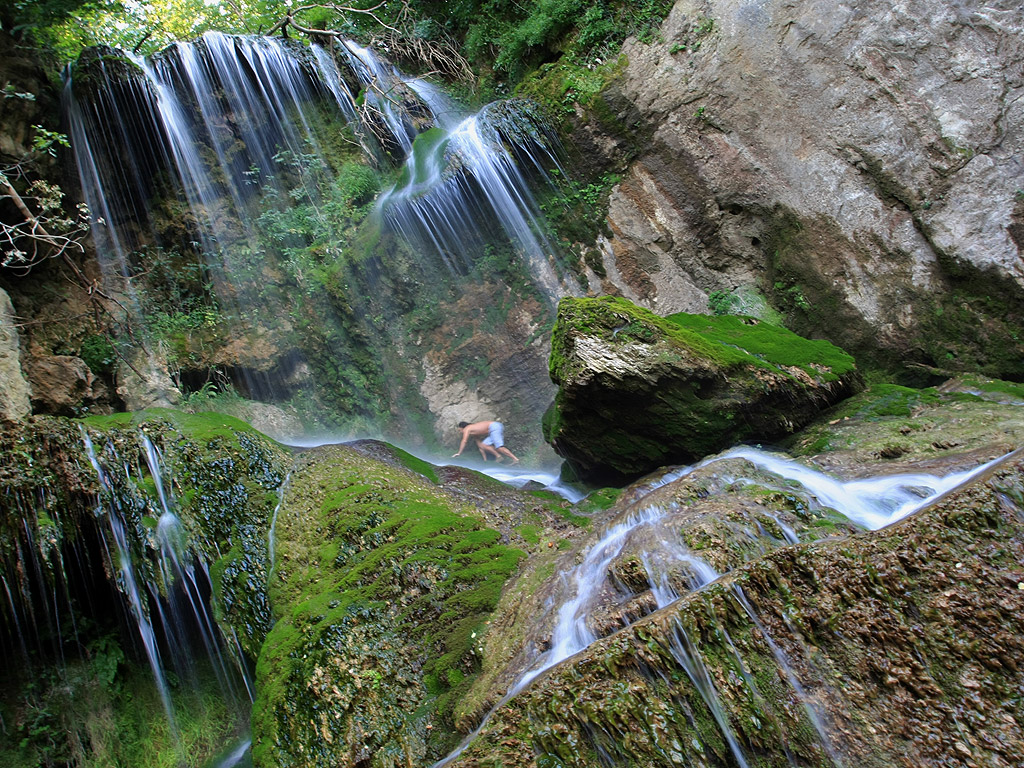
x,y
465,437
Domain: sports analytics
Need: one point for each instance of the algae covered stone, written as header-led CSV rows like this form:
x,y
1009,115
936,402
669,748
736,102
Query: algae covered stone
x,y
638,391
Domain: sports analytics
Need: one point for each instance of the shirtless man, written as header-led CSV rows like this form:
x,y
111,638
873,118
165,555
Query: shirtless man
x,y
494,440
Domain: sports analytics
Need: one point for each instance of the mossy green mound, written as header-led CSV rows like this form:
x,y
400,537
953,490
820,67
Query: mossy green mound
x,y
639,391
382,581
889,422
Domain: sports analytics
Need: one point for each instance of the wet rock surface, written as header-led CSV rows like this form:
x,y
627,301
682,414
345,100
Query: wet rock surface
x,y
894,647
637,391
738,613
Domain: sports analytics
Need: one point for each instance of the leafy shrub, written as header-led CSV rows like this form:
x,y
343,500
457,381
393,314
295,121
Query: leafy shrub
x,y
98,353
722,302
357,184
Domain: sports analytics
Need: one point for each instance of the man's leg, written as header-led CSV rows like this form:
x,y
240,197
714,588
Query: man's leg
x,y
486,448
506,452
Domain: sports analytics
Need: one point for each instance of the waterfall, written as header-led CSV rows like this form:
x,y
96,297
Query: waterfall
x,y
165,584
450,212
780,658
210,162
186,605
129,584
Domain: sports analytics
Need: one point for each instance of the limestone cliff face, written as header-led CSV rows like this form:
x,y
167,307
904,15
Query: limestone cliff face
x,y
14,390
858,168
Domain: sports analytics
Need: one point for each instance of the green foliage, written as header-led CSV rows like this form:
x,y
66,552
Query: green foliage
x,y
45,141
547,22
722,302
104,710
356,185
578,212
791,296
66,27
98,353
212,397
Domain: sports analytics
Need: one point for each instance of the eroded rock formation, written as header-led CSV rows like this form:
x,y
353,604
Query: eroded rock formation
x,y
859,169
637,391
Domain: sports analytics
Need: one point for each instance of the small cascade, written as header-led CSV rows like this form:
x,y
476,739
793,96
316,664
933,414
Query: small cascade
x,y
780,658
685,653
657,564
383,88
272,532
129,584
871,502
571,633
465,189
164,583
520,478
186,605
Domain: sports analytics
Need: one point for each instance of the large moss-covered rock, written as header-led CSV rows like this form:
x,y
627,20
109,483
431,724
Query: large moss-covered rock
x,y
386,570
894,647
638,391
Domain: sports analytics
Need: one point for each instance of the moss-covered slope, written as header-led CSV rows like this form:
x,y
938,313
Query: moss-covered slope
x,y
894,647
638,391
381,582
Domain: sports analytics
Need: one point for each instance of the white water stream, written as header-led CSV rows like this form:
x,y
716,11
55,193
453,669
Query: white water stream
x,y
130,585
869,502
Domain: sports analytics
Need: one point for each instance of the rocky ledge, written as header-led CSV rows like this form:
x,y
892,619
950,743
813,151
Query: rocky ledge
x,y
638,391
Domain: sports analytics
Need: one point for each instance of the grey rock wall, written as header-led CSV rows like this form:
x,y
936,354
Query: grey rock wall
x,y
14,390
857,164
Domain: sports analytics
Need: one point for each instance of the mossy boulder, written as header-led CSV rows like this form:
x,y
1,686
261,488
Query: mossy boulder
x,y
638,391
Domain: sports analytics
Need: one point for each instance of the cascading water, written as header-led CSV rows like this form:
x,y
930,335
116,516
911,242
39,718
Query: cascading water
x,y
130,586
870,502
171,606
186,604
429,205
210,160
685,653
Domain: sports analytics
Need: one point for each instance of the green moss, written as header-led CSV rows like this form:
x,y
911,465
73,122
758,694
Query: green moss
x,y
530,534
726,341
386,557
770,343
599,500
884,401
417,465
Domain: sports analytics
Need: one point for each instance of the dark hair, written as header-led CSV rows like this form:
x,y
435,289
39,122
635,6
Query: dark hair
x,y
463,424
